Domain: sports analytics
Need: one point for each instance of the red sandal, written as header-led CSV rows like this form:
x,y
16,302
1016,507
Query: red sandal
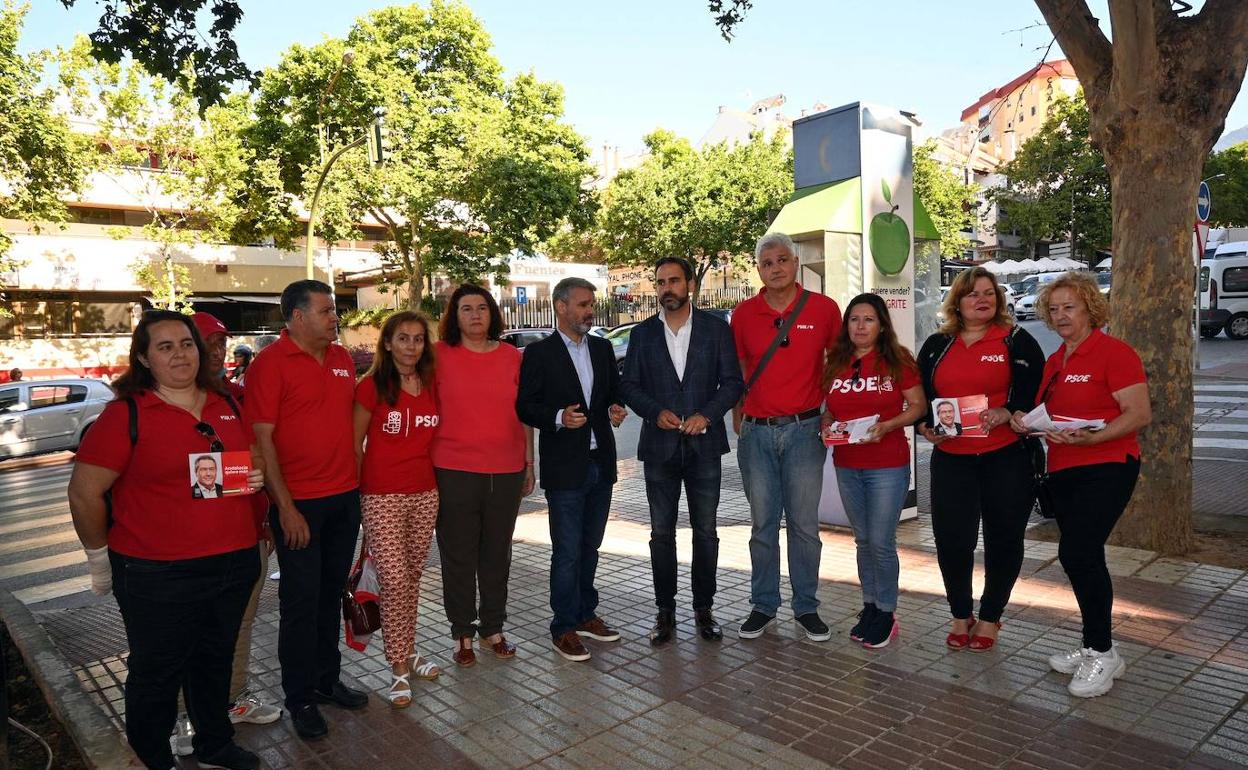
x,y
960,641
983,643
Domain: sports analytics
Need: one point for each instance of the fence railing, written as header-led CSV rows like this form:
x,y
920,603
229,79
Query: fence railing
x,y
613,310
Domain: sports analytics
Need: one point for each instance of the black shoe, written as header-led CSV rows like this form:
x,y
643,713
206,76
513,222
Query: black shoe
x,y
344,697
864,619
816,630
755,625
308,721
880,631
664,629
230,757
707,627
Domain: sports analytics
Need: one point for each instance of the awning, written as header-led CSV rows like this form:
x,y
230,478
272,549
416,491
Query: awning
x,y
837,207
259,299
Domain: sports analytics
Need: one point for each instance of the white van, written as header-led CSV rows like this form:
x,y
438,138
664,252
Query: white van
x,y
1026,306
1224,292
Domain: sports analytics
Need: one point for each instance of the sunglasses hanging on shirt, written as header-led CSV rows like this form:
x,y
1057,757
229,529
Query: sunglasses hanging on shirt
x,y
207,431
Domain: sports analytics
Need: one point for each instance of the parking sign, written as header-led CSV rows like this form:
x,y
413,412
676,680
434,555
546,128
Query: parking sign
x,y
522,295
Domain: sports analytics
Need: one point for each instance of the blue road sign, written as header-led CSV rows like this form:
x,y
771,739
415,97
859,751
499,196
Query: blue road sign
x,y
522,295
1204,202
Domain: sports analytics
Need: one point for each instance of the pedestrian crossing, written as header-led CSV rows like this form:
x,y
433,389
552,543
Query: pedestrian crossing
x,y
40,556
1221,421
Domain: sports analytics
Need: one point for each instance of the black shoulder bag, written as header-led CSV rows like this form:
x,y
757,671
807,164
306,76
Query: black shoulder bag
x,y
781,333
1039,459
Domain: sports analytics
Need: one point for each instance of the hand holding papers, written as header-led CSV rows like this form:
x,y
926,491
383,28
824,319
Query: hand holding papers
x,y
844,432
1039,421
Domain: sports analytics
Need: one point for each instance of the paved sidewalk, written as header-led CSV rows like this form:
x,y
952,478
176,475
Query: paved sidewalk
x,y
779,701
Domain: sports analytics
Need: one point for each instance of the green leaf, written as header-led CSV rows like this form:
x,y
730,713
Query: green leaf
x,y
888,194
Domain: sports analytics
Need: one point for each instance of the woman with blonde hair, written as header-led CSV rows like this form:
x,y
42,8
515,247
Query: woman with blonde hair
x,y
1092,474
396,414
979,351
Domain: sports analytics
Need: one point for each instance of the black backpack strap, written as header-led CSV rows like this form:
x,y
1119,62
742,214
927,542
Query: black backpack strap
x,y
233,406
133,408
781,333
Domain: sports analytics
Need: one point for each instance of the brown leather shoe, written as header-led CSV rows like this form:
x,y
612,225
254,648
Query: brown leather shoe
x,y
569,646
464,656
596,629
502,648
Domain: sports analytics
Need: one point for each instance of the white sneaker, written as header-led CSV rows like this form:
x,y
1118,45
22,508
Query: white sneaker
x,y
1066,662
277,575
250,709
180,741
1096,673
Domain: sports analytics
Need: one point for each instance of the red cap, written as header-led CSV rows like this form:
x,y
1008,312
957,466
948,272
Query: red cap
x,y
208,325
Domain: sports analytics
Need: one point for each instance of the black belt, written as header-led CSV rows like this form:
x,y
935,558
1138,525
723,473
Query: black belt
x,y
783,419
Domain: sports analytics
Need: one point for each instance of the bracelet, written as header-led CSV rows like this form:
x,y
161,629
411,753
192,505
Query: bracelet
x,y
529,463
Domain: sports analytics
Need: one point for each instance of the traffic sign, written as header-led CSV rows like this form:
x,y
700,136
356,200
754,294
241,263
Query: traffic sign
x,y
522,295
1204,202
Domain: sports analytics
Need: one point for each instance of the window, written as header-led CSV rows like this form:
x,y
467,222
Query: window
x,y
1033,109
48,395
1204,279
1235,279
9,397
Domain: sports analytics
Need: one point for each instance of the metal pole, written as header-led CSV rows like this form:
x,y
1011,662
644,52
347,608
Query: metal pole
x,y
320,182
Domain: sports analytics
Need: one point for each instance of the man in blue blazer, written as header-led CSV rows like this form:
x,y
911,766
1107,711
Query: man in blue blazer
x,y
682,376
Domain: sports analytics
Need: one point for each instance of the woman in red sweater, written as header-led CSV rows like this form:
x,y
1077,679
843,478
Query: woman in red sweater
x,y
395,410
483,459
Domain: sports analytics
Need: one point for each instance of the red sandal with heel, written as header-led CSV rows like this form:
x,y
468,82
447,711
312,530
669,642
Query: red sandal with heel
x,y
960,641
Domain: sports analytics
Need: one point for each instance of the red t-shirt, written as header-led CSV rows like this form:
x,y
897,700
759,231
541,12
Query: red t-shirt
x,y
1084,389
396,455
981,368
875,392
791,383
154,514
479,432
310,406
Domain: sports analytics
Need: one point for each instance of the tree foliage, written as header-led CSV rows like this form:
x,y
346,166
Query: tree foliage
x,y
708,205
949,201
1229,191
1057,184
479,166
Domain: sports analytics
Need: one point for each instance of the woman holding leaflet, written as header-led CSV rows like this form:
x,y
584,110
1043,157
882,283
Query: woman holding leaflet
x,y
980,352
870,373
1092,474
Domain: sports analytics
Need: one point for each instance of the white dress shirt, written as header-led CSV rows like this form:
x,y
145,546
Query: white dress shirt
x,y
579,351
678,343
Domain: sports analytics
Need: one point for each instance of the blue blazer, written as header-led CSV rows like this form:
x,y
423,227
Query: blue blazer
x,y
711,386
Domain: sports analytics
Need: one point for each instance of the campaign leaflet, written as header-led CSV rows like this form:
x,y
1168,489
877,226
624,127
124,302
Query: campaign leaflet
x,y
235,467
959,416
1039,421
848,431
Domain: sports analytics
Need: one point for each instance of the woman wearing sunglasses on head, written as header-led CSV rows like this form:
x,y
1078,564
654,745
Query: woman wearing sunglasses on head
x,y
181,564
986,473
870,373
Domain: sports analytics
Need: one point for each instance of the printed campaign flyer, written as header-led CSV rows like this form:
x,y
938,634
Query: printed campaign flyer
x,y
959,416
849,431
235,467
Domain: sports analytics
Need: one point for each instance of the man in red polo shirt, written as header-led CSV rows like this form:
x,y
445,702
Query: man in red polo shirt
x,y
780,452
300,391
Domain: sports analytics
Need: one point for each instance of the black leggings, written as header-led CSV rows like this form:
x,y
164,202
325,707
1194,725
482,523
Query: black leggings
x,y
1088,500
996,487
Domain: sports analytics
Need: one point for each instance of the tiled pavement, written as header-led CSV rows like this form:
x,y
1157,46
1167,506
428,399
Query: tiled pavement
x,y
779,701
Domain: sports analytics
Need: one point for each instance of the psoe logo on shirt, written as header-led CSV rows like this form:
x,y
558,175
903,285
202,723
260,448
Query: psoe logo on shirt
x,y
425,421
862,384
805,327
341,373
997,359
225,417
1078,378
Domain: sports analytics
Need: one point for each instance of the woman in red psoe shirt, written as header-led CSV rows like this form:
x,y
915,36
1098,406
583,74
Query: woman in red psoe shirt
x,y
396,412
870,373
483,458
1092,474
179,551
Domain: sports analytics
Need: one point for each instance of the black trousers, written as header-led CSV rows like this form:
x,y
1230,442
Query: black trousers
x,y
1088,501
476,520
701,477
310,594
181,620
995,488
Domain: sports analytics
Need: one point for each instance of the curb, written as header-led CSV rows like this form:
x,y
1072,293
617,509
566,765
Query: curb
x,y
99,743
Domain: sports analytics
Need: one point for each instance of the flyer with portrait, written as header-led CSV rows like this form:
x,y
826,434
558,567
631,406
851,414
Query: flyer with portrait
x,y
959,416
849,431
235,467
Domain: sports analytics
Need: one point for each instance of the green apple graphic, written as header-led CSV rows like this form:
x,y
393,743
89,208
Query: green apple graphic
x,y
889,238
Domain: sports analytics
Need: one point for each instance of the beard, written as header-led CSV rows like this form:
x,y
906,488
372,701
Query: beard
x,y
582,327
671,302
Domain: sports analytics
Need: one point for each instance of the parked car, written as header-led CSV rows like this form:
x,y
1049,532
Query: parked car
x,y
40,416
1103,280
723,313
521,337
618,337
1224,292
1026,307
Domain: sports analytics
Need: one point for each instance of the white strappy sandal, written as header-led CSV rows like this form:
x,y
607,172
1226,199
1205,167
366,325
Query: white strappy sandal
x,y
400,697
424,669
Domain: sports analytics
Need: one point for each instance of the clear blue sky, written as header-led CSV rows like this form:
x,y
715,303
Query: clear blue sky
x,y
629,66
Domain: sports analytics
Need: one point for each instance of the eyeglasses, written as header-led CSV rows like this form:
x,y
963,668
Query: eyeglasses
x,y
206,430
857,369
777,323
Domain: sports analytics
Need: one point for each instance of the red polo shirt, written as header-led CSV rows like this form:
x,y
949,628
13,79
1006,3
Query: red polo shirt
x,y
396,457
1084,389
981,368
791,382
875,392
154,515
310,406
480,432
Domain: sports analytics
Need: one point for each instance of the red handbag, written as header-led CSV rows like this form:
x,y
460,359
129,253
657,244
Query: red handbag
x,y
360,610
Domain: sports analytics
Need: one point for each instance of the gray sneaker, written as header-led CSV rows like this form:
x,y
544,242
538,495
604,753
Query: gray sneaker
x,y
180,741
250,709
1097,672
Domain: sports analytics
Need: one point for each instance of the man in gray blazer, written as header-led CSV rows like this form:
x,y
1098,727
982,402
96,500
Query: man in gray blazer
x,y
682,376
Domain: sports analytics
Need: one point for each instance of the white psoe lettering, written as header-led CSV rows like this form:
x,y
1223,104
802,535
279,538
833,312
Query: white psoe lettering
x,y
873,384
342,373
997,359
1078,378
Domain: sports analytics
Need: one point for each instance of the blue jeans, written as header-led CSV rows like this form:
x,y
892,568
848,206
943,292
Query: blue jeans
x,y
578,520
782,471
701,476
873,498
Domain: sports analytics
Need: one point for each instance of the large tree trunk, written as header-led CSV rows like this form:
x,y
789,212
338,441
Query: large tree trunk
x,y
1158,98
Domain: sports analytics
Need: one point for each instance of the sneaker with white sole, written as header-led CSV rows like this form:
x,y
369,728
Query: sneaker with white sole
x,y
1066,662
250,709
1096,673
816,630
180,741
755,625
